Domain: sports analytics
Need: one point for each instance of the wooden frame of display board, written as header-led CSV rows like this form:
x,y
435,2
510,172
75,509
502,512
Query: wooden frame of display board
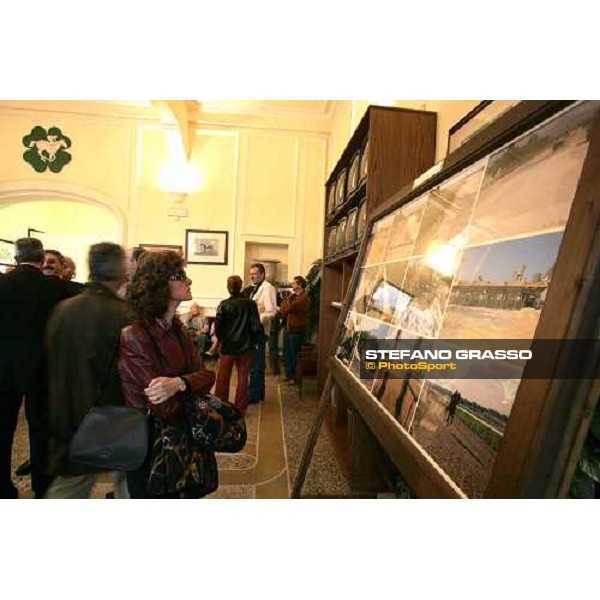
x,y
547,425
485,112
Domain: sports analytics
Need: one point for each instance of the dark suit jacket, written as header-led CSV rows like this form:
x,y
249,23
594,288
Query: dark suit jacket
x,y
26,299
83,336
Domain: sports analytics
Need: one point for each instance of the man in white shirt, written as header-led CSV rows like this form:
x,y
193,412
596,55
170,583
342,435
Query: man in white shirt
x,y
265,296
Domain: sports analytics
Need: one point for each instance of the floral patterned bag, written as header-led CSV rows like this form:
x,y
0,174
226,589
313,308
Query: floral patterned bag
x,y
216,424
179,466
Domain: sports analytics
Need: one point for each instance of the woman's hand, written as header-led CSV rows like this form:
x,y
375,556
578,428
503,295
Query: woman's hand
x,y
161,389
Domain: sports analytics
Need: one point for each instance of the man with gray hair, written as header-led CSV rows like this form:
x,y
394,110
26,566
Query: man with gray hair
x,y
83,336
265,296
26,298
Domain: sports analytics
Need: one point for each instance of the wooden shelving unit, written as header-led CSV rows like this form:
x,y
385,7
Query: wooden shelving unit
x,y
401,146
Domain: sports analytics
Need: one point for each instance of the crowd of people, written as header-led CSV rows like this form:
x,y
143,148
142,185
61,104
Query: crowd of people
x,y
118,340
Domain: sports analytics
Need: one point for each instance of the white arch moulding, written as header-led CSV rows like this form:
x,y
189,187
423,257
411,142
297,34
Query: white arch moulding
x,y
26,190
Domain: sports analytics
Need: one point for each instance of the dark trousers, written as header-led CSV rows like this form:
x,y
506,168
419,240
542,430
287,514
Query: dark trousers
x,y
37,420
242,364
136,482
292,342
274,345
257,373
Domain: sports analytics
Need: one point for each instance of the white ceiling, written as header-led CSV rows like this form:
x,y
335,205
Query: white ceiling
x,y
307,115
310,108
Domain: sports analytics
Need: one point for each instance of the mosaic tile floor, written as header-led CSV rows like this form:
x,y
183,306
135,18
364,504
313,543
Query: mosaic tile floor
x,y
277,431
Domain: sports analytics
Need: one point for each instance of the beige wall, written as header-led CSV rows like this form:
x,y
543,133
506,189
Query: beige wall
x,y
262,185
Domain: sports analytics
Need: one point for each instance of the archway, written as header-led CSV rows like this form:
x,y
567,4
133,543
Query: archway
x,y
70,218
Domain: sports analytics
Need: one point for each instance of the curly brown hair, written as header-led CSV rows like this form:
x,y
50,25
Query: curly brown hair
x,y
148,293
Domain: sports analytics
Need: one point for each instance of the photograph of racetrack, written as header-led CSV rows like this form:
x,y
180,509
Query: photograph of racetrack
x,y
459,432
529,185
500,289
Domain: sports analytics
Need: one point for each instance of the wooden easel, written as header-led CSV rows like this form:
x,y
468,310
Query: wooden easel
x,y
311,442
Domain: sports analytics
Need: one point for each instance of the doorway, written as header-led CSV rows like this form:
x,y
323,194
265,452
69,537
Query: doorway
x,y
268,252
68,226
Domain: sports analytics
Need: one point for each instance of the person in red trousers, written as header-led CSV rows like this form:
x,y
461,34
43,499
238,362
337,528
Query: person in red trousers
x,y
238,330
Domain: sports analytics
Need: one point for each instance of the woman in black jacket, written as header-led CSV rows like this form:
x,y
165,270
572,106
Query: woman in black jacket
x,y
238,330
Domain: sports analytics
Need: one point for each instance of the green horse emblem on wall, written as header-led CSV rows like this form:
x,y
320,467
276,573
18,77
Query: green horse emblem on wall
x,y
47,149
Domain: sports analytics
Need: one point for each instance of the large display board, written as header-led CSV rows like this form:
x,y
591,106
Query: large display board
x,y
472,258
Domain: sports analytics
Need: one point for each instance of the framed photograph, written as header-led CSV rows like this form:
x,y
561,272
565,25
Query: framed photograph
x,y
387,300
354,174
361,221
331,241
205,247
161,248
340,242
351,228
340,188
364,163
6,254
331,199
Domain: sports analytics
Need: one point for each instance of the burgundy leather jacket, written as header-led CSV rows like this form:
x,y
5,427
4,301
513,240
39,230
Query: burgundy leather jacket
x,y
150,350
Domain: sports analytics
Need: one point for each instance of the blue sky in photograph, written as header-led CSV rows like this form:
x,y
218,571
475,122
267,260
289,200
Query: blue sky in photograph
x,y
499,261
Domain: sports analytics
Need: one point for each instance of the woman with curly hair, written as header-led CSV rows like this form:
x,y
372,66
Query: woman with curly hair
x,y
158,363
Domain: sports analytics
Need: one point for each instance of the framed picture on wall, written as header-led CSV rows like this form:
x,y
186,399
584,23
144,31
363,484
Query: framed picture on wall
x,y
161,248
206,247
7,253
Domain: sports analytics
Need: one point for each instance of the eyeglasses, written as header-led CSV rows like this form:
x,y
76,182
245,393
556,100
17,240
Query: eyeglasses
x,y
179,276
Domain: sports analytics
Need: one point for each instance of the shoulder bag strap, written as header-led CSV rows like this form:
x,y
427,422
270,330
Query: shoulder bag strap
x,y
111,360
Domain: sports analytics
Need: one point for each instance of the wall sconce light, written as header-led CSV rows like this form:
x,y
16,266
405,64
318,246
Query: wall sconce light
x,y
180,179
178,176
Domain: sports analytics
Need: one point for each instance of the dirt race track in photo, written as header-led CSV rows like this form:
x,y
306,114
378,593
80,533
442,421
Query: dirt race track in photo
x,y
462,453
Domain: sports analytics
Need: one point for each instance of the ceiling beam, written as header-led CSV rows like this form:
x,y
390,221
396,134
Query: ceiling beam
x,y
186,114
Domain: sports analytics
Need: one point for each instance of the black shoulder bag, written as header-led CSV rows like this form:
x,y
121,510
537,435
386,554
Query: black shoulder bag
x,y
114,438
